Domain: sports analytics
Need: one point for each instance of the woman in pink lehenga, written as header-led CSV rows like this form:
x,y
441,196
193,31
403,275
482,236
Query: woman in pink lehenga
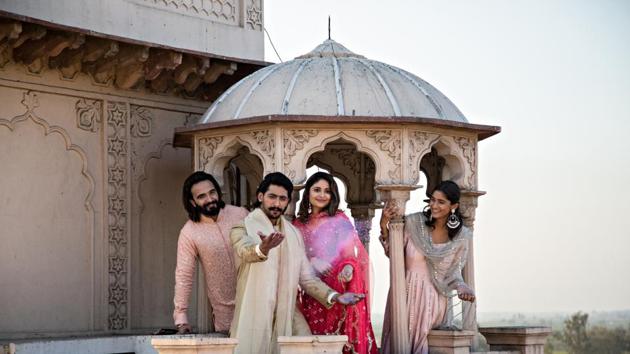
x,y
436,246
340,260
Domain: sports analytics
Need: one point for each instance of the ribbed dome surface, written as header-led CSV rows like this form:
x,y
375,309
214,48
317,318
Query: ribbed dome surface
x,y
332,81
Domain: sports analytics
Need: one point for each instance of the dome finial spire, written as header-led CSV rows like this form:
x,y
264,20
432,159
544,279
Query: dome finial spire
x,y
328,26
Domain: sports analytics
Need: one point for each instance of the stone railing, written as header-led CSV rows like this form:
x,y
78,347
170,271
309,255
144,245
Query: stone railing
x,y
205,344
526,340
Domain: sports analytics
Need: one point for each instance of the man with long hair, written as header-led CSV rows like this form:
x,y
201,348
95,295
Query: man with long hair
x,y
272,264
206,236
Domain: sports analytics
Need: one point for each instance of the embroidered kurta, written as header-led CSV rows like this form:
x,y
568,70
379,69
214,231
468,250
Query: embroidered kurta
x,y
210,242
267,286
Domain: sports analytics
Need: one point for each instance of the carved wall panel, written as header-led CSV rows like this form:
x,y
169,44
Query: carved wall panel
x,y
254,15
47,219
225,11
118,259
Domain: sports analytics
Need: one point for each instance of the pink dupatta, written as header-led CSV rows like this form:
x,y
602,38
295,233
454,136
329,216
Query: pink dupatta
x,y
334,239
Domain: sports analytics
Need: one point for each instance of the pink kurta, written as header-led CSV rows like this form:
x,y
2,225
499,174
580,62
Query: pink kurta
x,y
210,241
425,304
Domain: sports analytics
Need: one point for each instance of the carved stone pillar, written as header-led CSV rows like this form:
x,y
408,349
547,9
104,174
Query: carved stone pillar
x,y
363,215
291,211
468,206
399,195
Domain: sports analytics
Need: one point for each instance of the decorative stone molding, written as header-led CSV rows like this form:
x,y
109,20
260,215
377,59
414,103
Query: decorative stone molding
x,y
311,344
264,139
293,141
215,10
206,149
254,15
141,121
450,342
390,142
525,340
469,152
125,65
419,143
89,114
117,177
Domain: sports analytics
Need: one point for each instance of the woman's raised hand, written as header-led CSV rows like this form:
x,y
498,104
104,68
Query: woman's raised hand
x,y
465,293
389,211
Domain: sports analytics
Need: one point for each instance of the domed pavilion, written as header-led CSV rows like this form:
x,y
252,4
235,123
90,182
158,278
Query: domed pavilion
x,y
374,126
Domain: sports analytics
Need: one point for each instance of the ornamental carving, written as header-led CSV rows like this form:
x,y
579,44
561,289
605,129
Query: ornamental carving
x,y
294,140
117,181
221,10
468,149
389,142
88,114
206,149
141,121
254,15
419,143
264,139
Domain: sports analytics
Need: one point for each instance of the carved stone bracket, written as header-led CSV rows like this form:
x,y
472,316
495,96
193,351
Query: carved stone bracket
x,y
264,139
294,140
419,144
206,149
117,177
469,152
141,122
390,142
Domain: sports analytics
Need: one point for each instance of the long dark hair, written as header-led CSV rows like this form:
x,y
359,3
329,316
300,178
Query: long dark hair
x,y
277,179
452,192
196,177
334,198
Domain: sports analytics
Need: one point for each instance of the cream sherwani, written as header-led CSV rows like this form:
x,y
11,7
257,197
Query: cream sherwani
x,y
266,289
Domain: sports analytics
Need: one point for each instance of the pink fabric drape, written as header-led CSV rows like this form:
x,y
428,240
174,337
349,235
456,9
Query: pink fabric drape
x,y
334,239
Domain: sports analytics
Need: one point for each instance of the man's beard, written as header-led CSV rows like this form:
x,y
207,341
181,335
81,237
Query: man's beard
x,y
209,209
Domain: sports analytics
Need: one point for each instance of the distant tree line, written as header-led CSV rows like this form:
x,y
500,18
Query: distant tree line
x,y
577,338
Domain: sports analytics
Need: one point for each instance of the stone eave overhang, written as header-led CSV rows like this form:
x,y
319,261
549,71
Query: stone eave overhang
x,y
123,62
183,136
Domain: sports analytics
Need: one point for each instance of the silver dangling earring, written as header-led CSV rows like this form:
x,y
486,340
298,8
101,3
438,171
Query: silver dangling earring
x,y
453,221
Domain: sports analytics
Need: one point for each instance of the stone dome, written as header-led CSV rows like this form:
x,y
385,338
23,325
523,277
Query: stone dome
x,y
332,81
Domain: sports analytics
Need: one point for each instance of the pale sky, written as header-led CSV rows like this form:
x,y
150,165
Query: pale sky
x,y
552,234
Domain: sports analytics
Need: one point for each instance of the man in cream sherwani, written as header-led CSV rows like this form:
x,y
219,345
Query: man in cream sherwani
x,y
271,264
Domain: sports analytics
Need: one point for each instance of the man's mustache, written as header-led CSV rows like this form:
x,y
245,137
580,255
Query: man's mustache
x,y
275,209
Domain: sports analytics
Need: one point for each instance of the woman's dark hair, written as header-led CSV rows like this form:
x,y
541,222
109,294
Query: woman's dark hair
x,y
277,179
334,195
452,192
196,177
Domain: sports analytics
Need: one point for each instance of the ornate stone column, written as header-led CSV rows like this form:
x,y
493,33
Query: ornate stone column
x,y
291,211
399,195
468,206
363,215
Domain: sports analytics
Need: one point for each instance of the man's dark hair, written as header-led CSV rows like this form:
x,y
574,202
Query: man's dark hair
x,y
277,179
193,212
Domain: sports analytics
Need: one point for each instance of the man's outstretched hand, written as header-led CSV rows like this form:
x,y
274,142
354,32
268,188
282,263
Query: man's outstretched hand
x,y
270,241
348,298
